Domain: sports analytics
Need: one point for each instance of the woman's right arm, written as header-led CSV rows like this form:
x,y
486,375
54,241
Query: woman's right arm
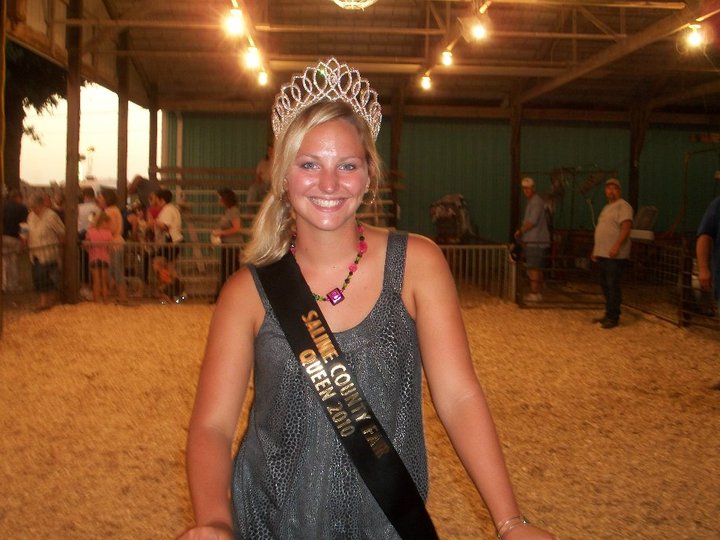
x,y
220,394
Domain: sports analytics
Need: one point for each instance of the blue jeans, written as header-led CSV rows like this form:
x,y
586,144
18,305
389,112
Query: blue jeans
x,y
610,272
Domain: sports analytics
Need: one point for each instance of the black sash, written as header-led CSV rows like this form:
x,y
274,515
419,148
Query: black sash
x,y
339,395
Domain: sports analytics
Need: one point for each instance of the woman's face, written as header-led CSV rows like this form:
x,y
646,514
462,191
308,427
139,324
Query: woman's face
x,y
329,175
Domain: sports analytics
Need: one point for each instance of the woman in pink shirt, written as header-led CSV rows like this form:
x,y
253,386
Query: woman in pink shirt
x,y
97,239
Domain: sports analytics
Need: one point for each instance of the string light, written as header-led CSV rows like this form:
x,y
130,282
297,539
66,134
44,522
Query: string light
x,y
234,23
479,29
252,58
426,82
695,37
447,58
235,26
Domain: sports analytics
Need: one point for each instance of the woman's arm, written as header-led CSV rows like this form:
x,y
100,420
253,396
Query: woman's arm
x,y
220,394
233,229
430,294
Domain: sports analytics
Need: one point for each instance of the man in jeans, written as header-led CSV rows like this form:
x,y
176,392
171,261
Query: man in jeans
x,y
535,235
612,249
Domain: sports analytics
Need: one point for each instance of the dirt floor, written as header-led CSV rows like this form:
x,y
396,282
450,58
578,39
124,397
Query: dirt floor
x,y
608,433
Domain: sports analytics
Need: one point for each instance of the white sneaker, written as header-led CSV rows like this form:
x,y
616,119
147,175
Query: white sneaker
x,y
533,297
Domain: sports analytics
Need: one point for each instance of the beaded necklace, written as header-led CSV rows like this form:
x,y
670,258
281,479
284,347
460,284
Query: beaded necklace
x,y
336,295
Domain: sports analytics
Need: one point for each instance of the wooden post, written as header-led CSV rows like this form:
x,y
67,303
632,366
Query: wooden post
x,y
152,150
71,272
123,71
639,118
515,161
398,113
3,10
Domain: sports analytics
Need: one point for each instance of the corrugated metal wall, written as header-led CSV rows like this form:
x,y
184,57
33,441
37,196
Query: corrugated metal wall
x,y
444,157
681,198
223,140
441,157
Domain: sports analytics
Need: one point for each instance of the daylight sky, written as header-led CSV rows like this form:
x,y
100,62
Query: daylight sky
x,y
42,163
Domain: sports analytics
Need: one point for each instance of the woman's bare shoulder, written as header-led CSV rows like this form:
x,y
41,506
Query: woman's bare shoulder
x,y
239,299
422,250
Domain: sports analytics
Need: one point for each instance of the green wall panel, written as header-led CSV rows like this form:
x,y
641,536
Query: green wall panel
x,y
444,157
441,157
223,140
681,194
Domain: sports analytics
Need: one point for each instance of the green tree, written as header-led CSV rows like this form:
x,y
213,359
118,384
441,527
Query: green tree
x,y
31,81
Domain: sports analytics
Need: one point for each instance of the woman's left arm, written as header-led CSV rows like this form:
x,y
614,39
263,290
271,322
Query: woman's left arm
x,y
430,295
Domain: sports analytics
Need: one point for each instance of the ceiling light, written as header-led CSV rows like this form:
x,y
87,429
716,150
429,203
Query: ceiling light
x,y
695,36
478,30
426,82
354,4
475,27
252,58
234,22
447,58
262,78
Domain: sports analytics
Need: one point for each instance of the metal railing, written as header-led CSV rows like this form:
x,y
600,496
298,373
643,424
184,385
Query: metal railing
x,y
660,280
481,268
201,267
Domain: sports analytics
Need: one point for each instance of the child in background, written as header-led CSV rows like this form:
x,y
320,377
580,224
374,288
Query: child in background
x,y
169,286
97,238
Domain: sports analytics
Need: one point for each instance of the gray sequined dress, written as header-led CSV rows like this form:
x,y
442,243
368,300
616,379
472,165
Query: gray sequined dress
x,y
292,478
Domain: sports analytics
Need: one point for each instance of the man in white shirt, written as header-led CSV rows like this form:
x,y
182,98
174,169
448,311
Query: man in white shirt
x,y
46,233
168,224
612,249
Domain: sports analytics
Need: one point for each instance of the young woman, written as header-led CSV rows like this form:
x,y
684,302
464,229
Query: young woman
x,y
397,313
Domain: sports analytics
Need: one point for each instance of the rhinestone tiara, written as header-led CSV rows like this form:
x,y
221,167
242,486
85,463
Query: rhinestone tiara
x,y
329,80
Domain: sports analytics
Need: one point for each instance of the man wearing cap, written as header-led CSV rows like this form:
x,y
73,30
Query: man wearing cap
x,y
612,249
535,236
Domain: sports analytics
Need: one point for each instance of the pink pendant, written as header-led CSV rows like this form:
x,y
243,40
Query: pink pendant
x,y
335,296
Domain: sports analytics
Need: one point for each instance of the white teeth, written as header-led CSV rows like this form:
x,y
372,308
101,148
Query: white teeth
x,y
327,203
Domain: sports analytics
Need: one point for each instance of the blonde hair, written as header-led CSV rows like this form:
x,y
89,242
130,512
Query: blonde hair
x,y
273,224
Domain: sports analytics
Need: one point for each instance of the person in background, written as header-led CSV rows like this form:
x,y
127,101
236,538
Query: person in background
x,y
611,250
393,308
137,222
14,213
707,250
88,209
228,230
98,239
46,233
143,187
57,202
168,226
535,236
259,188
108,201
169,286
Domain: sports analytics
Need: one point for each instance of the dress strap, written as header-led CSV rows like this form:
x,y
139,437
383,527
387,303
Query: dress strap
x,y
395,261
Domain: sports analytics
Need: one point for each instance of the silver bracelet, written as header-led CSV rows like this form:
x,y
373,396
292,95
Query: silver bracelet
x,y
509,524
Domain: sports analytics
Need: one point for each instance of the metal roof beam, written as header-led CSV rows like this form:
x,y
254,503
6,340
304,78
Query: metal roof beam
x,y
668,25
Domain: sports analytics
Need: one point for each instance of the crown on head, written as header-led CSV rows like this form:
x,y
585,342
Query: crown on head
x,y
327,81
